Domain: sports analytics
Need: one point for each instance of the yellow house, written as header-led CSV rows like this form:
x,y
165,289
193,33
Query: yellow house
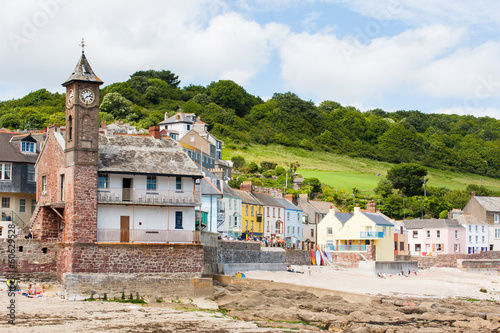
x,y
366,232
330,226
251,215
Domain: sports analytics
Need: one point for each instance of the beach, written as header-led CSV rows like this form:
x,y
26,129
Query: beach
x,y
435,300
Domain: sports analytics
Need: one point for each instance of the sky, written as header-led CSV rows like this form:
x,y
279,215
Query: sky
x,y
439,56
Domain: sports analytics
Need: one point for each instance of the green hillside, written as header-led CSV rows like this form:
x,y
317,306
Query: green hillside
x,y
344,173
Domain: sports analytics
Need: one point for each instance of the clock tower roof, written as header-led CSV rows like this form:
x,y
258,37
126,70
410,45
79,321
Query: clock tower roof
x,y
83,73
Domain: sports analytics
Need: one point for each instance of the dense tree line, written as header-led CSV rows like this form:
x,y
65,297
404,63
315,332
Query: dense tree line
x,y
449,142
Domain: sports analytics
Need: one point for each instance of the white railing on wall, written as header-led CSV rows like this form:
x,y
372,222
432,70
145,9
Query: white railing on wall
x,y
147,236
164,197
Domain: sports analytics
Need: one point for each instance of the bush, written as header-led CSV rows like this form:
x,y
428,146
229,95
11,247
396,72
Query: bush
x,y
279,170
268,173
281,139
253,167
238,161
265,165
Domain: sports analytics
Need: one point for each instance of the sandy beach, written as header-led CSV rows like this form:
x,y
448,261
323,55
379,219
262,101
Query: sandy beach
x,y
436,300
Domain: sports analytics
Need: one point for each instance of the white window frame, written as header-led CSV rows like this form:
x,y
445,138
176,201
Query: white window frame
x,y
496,218
22,205
31,173
28,147
427,234
329,231
5,171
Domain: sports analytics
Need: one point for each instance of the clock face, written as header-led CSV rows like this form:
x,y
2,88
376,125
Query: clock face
x,y
87,96
70,97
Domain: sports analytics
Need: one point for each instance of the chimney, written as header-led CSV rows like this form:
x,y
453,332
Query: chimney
x,y
289,197
371,207
103,125
246,186
473,193
356,209
154,131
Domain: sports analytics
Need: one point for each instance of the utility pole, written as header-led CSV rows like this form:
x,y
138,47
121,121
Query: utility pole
x,y
425,189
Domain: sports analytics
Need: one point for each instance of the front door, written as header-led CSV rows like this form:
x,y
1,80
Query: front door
x,y
124,229
126,189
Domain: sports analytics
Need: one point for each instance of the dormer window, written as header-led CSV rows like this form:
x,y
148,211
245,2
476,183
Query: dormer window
x,y
188,127
28,147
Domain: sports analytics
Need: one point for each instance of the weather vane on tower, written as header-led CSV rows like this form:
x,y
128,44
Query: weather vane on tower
x,y
82,44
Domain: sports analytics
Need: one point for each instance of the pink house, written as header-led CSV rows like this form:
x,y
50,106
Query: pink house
x,y
432,237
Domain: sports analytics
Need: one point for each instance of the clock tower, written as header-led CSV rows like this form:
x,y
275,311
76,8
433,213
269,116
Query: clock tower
x,y
82,114
81,153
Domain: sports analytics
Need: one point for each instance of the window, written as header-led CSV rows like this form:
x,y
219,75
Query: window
x,y
456,234
61,195
482,228
497,233
102,180
28,147
477,228
496,219
5,171
5,202
288,216
1,233
22,206
477,239
246,224
395,246
293,230
267,211
288,230
384,230
415,234
70,128
178,220
329,231
439,248
31,173
312,232
428,233
259,226
260,208
470,227
470,239
438,233
178,183
246,209
230,204
44,184
484,239
417,248
151,183
279,213
33,204
235,221
251,210
401,246
457,248
188,127
274,212
298,230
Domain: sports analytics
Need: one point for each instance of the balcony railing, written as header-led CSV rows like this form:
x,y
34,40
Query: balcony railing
x,y
147,236
371,234
343,248
143,196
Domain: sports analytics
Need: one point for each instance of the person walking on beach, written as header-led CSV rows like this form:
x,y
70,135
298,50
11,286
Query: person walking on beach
x,y
309,270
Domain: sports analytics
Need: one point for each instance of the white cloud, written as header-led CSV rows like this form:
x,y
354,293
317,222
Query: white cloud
x,y
347,71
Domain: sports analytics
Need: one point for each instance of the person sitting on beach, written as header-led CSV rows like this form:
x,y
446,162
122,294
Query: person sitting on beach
x,y
29,235
30,289
291,270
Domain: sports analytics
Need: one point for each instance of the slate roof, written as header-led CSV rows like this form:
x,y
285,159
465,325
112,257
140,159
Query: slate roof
x,y
228,191
287,204
322,206
247,197
266,199
431,224
144,155
11,151
379,220
490,204
468,219
179,117
83,72
343,217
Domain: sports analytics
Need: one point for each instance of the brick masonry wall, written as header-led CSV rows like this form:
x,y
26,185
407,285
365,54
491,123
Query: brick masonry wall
x,y
173,260
148,287
450,260
32,263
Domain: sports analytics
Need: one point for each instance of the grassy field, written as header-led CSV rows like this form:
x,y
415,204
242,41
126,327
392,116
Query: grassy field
x,y
343,172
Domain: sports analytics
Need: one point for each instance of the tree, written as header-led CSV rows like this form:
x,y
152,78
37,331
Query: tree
x,y
407,177
384,188
314,183
116,105
167,76
266,165
238,161
229,94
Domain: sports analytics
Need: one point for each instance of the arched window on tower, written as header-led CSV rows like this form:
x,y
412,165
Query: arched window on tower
x,y
70,128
